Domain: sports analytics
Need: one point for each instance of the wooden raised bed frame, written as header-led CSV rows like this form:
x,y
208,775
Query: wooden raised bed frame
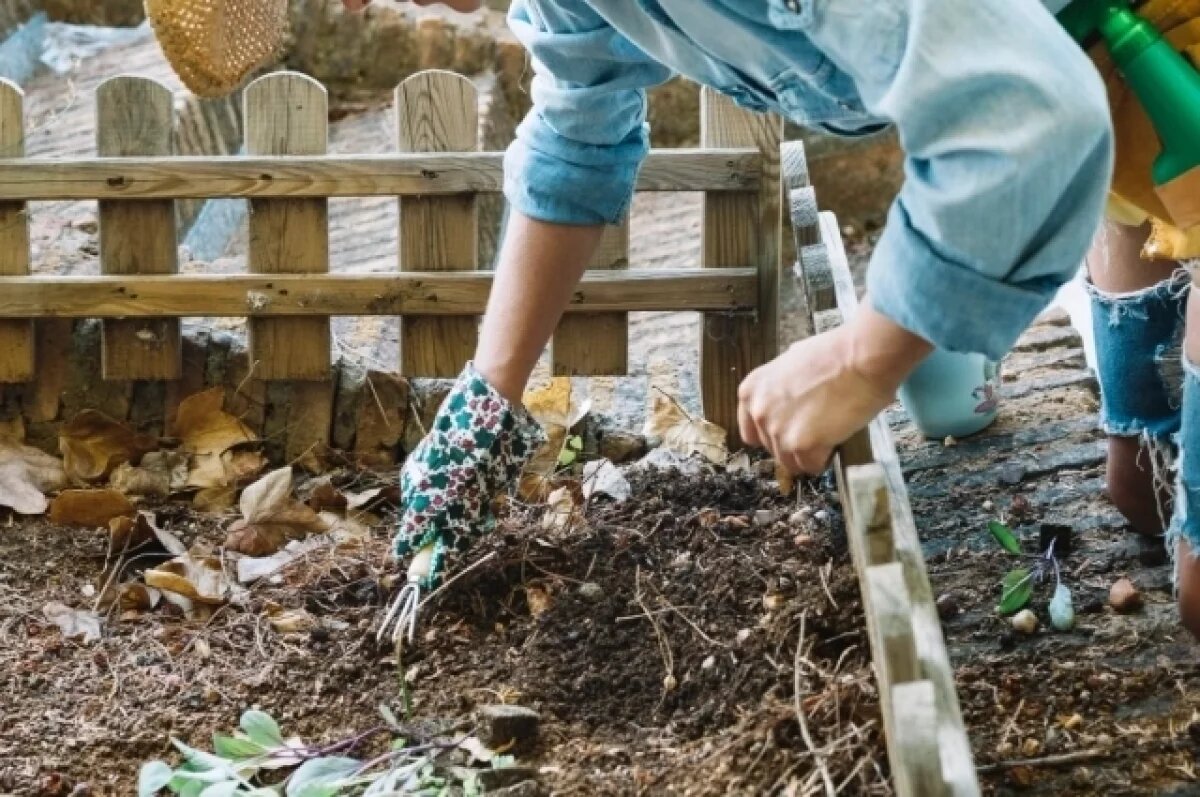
x,y
438,290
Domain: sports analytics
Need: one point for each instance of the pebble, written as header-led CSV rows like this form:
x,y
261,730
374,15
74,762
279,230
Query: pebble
x,y
708,663
821,516
743,635
591,592
501,725
800,515
1124,597
1031,747
1025,621
765,517
947,606
988,506
1073,722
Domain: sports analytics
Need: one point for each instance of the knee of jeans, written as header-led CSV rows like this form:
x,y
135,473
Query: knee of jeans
x,y
1139,345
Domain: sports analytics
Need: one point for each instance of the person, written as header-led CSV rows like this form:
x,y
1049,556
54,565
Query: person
x,y
1008,149
1146,326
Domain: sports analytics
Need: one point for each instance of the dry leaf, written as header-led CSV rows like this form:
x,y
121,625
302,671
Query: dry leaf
x,y
138,598
538,600
26,474
555,408
738,463
160,474
208,432
269,500
89,508
215,500
601,477
194,576
74,623
256,539
293,621
93,445
325,496
13,430
684,435
560,509
252,568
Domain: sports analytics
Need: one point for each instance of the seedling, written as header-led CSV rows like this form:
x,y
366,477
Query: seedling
x,y
1018,584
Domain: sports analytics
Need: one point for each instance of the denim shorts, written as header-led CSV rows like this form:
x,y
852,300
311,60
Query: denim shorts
x,y
1150,390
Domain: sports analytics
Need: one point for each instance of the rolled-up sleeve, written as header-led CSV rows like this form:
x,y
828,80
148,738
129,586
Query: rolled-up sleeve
x,y
1008,143
576,155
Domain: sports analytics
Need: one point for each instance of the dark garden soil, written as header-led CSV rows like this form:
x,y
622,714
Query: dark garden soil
x,y
657,639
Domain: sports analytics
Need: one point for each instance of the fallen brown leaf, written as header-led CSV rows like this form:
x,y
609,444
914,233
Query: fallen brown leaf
x,y
26,474
93,445
215,500
208,432
256,539
195,576
291,621
325,496
128,533
160,474
89,508
556,408
538,600
683,434
270,500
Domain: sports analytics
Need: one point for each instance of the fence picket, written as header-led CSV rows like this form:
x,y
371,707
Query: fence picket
x,y
287,114
437,111
134,117
16,335
740,230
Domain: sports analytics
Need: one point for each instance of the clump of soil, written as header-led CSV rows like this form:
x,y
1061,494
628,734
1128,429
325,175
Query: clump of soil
x,y
660,640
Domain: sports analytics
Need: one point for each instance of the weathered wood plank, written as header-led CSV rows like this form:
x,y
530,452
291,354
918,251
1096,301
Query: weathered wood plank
x,y
17,342
411,293
437,111
413,174
914,706
287,114
596,344
740,230
135,116
957,768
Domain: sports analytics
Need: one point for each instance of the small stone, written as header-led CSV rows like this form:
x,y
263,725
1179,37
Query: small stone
x,y
800,515
988,506
670,683
1031,747
772,601
1025,622
765,517
1053,737
1004,749
1073,722
502,725
950,441
821,516
743,635
708,663
591,592
802,540
622,447
947,606
1124,597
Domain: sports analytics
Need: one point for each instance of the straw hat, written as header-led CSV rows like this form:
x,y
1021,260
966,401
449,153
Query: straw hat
x,y
214,45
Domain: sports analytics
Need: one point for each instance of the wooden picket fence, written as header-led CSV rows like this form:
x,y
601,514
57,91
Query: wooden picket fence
x,y
439,290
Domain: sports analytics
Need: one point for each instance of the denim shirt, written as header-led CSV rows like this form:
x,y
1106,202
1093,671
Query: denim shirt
x,y
1003,120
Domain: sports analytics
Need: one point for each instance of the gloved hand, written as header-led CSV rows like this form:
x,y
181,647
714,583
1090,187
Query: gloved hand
x,y
477,447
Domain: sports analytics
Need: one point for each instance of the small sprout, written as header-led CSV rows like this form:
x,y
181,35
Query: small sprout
x,y
570,451
1017,589
1004,535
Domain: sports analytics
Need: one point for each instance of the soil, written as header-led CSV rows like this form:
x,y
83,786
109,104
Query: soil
x,y
672,672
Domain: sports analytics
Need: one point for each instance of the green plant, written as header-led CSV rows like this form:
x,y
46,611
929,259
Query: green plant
x,y
1017,586
252,762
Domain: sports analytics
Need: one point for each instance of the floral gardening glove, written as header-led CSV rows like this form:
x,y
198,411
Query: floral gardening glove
x,y
477,448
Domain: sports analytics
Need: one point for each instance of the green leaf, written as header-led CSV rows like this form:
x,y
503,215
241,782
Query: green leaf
x,y
188,788
1062,612
1003,534
236,749
204,766
321,777
262,729
225,789
153,778
1016,590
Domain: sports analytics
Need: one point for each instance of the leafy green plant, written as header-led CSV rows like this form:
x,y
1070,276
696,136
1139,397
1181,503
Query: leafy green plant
x,y
252,761
1017,586
569,454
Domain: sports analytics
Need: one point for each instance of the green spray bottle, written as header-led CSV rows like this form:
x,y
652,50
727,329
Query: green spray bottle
x,y
1164,81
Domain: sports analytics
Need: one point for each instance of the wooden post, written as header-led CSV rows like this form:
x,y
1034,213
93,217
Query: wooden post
x,y
869,514
134,116
287,114
437,111
16,336
740,230
597,344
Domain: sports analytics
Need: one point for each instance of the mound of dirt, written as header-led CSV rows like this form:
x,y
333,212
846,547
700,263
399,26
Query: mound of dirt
x,y
662,641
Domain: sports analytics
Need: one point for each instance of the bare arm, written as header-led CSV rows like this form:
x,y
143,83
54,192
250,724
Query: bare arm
x,y
540,264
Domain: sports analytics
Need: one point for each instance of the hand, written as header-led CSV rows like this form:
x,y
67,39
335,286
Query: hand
x,y
478,445
822,390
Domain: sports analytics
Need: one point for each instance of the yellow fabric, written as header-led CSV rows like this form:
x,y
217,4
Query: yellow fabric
x,y
1133,200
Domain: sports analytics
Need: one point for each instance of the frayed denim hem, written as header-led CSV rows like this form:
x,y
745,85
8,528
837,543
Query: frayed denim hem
x,y
1185,522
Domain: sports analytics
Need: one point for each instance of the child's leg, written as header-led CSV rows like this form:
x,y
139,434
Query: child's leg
x,y
1137,312
1185,525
